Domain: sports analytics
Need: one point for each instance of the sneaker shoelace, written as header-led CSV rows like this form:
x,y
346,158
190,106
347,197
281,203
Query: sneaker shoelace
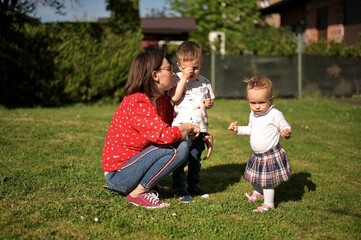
x,y
151,197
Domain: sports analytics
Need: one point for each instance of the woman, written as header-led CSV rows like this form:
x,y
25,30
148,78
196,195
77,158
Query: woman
x,y
140,148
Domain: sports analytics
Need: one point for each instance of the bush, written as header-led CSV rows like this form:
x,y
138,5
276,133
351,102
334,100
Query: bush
x,y
94,63
332,48
271,41
57,63
354,50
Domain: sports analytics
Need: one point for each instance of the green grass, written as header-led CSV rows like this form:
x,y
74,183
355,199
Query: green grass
x,y
51,178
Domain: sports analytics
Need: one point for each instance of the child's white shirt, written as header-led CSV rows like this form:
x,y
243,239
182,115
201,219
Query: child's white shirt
x,y
191,109
264,130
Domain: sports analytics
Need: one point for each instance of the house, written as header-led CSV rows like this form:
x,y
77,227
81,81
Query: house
x,y
337,20
164,29
160,30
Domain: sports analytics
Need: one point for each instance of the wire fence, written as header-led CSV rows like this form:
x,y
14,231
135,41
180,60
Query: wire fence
x,y
319,75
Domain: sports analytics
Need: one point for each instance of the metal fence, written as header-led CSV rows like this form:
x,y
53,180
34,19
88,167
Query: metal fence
x,y
327,76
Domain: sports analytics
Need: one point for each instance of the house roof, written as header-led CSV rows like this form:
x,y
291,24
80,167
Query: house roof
x,y
168,25
281,6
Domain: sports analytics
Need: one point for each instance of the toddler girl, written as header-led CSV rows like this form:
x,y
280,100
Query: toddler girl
x,y
268,165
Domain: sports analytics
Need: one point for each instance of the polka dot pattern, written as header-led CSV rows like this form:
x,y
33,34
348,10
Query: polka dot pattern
x,y
135,126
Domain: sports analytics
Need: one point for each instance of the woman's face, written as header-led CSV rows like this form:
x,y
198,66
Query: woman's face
x,y
164,76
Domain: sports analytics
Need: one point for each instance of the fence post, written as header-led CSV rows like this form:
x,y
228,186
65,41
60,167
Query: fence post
x,y
299,50
299,64
213,71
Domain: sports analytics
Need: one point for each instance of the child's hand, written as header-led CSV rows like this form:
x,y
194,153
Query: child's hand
x,y
233,126
286,133
209,142
187,72
208,103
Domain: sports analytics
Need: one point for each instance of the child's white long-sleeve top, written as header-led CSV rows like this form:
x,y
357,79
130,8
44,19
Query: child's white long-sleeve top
x,y
264,130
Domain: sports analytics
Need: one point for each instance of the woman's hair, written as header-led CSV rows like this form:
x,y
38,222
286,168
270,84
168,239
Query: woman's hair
x,y
189,51
140,74
260,82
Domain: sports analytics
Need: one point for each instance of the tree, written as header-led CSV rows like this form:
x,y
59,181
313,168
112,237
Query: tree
x,y
28,6
21,58
230,16
246,32
124,15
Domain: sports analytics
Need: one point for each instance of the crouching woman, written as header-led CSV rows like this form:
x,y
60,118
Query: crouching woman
x,y
140,148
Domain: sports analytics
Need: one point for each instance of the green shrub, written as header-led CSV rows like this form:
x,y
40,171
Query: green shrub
x,y
332,48
259,40
25,67
94,62
56,63
271,41
354,50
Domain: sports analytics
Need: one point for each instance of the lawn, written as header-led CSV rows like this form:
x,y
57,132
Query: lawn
x,y
51,178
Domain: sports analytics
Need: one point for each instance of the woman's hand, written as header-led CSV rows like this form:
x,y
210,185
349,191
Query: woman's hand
x,y
189,131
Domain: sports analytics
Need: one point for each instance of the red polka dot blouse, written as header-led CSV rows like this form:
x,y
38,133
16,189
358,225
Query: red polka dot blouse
x,y
135,126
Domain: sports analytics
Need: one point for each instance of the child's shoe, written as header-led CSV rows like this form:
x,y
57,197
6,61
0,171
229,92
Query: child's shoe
x,y
197,190
254,197
183,196
263,208
148,200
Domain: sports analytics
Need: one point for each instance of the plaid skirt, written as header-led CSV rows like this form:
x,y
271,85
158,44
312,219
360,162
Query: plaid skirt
x,y
269,168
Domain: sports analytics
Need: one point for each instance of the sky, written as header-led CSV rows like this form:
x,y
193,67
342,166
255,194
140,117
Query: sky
x,y
91,10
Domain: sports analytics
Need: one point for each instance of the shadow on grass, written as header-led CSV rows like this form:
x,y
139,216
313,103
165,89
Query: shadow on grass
x,y
219,178
212,179
295,188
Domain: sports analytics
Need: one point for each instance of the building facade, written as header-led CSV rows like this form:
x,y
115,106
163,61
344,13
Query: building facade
x,y
331,20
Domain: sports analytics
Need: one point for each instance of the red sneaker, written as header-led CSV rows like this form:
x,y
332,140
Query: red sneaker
x,y
147,200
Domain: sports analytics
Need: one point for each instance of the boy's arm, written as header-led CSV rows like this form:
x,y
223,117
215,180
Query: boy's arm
x,y
176,92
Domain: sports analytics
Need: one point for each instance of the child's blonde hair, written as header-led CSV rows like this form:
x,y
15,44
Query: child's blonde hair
x,y
260,82
189,51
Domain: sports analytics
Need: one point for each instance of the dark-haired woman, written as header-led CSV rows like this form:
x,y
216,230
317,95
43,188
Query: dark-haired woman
x,y
140,147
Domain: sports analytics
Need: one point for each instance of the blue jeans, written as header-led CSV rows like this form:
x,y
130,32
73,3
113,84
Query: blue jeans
x,y
194,167
148,167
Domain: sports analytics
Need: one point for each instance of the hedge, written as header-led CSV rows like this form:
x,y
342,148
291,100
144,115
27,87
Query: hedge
x,y
56,63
